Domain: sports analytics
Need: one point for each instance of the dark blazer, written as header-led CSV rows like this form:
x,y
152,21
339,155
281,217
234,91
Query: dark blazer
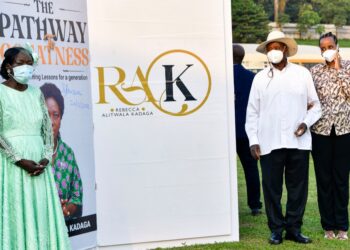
x,y
243,80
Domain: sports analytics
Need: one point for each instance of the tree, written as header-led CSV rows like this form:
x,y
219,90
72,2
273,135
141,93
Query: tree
x,y
319,29
307,18
293,7
335,11
282,6
249,22
268,7
283,18
279,9
276,9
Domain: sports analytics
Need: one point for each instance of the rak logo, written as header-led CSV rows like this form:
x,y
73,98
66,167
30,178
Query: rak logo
x,y
177,82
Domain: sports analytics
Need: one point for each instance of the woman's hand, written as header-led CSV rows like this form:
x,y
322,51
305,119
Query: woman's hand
x,y
33,168
337,64
68,208
43,162
64,207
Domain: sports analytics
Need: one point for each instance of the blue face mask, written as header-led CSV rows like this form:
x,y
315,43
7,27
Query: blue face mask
x,y
23,73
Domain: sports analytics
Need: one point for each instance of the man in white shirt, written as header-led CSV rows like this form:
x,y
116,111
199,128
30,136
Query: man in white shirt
x,y
283,104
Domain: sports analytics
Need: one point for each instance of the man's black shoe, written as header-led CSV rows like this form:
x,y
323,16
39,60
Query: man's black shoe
x,y
275,239
255,211
297,237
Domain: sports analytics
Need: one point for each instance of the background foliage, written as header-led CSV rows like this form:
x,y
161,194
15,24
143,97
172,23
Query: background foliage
x,y
250,17
249,22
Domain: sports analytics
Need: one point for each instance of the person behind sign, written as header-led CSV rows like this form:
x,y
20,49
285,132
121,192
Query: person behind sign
x,y
331,139
243,82
277,125
64,165
31,215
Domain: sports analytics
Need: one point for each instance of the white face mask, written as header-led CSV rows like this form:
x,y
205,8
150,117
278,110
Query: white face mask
x,y
23,73
329,55
275,56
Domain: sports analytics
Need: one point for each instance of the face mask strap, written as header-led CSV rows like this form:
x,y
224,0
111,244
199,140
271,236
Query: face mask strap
x,y
10,75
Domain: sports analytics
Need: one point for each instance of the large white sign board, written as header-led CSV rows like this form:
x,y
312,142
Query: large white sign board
x,y
162,88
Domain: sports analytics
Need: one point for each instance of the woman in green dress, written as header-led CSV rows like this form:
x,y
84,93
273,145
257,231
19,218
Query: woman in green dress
x,y
64,165
31,216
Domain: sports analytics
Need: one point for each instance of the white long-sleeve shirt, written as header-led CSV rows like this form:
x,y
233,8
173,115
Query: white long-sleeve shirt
x,y
278,105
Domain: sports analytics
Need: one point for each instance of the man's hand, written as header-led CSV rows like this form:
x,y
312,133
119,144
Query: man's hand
x,y
255,151
310,105
301,130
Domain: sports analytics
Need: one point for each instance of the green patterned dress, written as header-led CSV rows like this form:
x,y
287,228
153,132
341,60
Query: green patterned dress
x,y
67,177
31,217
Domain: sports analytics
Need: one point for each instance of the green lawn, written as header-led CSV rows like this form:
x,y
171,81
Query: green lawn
x,y
254,232
342,43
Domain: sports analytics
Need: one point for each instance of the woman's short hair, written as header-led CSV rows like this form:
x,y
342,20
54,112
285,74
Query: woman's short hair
x,y
50,90
9,58
328,34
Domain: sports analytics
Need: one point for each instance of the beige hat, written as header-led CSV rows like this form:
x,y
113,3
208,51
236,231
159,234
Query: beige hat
x,y
278,36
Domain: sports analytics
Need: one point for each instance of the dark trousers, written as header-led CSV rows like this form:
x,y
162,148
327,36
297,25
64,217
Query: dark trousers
x,y
294,165
251,172
331,156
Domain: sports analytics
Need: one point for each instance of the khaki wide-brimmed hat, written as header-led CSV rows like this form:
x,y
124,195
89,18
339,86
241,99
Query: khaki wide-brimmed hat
x,y
278,36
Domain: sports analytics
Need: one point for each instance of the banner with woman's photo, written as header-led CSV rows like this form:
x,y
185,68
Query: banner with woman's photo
x,y
58,32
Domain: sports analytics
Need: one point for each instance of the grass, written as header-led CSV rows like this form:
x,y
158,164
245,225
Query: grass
x,y
343,43
254,232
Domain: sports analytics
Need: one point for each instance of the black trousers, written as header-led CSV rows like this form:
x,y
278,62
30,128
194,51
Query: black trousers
x,y
294,165
331,156
251,172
